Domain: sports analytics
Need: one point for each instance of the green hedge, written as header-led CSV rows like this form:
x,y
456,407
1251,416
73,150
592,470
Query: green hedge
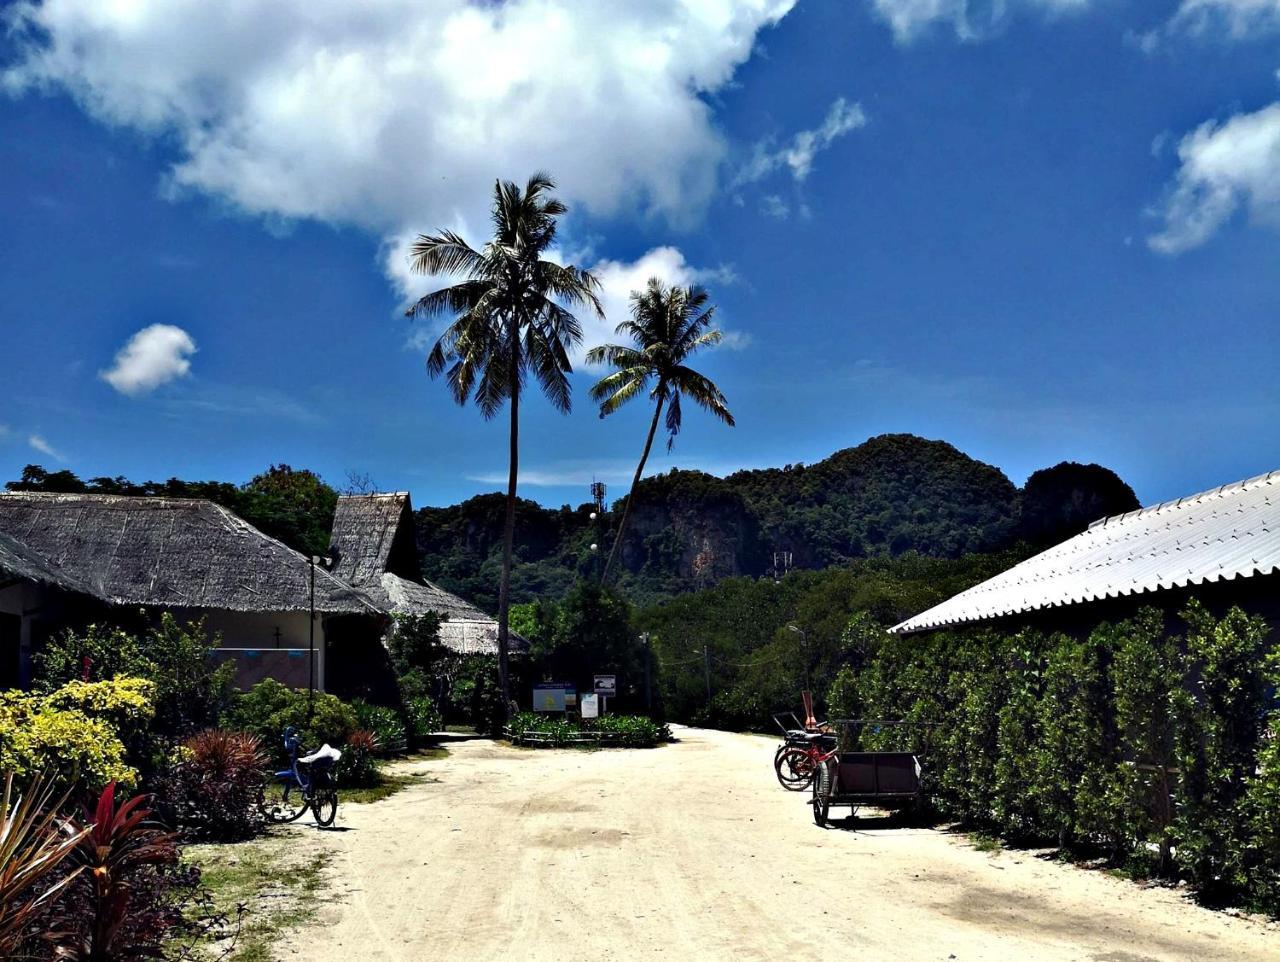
x,y
624,731
1158,749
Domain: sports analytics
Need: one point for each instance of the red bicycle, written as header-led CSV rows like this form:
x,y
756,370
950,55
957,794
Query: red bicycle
x,y
800,754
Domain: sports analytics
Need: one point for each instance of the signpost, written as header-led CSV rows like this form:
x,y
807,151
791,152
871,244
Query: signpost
x,y
606,685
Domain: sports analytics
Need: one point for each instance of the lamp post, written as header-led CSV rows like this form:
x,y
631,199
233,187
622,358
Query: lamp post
x,y
807,697
315,559
311,642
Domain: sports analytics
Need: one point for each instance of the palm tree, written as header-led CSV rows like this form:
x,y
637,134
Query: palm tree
x,y
667,325
509,320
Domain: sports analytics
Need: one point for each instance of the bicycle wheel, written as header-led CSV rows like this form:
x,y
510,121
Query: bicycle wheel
x,y
288,806
324,805
794,769
822,795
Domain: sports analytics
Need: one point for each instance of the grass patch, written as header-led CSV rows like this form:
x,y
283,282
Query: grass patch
x,y
278,881
391,781
984,842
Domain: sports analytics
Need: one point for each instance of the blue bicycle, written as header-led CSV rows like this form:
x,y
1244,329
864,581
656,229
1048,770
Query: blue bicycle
x,y
308,782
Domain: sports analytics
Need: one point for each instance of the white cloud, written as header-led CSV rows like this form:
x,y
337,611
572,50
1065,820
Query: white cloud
x,y
44,447
155,355
1224,167
397,116
618,279
1238,17
772,205
971,19
797,155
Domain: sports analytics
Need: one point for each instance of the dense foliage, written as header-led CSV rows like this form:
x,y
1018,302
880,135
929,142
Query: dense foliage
x,y
618,731
295,506
735,639
213,789
891,495
1150,749
266,709
69,733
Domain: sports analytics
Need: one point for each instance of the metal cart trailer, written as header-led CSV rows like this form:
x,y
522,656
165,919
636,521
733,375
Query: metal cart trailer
x,y
884,779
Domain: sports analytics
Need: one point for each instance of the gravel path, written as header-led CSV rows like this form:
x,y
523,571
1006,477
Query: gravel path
x,y
692,851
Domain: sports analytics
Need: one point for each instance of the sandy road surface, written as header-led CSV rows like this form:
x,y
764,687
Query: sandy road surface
x,y
693,852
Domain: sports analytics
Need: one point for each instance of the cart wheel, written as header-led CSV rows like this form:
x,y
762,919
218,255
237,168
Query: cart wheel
x,y
794,768
821,795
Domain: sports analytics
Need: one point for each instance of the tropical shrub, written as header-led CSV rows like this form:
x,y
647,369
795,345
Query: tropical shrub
x,y
126,705
626,731
358,765
269,707
35,736
1223,708
214,787
34,844
128,899
385,723
190,689
423,716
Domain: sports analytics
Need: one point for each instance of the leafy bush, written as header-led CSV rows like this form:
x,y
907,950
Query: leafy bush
x,y
214,788
474,695
626,731
358,765
124,704
1155,751
269,707
35,736
34,843
190,690
423,716
384,722
128,899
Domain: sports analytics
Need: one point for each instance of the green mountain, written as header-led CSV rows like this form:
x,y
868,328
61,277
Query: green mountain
x,y
891,495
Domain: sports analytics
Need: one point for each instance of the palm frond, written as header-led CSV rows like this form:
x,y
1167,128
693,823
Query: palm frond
x,y
447,253
704,393
673,419
466,296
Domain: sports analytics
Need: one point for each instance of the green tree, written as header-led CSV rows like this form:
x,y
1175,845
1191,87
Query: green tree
x,y
296,506
667,325
508,321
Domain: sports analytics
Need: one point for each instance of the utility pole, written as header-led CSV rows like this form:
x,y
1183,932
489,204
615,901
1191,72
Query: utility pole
x,y
648,680
706,660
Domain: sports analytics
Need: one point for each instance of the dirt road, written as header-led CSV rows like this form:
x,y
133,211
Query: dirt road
x,y
692,852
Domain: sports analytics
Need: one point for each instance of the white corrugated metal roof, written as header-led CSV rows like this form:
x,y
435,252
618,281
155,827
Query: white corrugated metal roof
x,y
1227,532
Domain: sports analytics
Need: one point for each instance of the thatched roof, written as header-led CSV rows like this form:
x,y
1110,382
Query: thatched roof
x,y
18,561
375,546
373,534
166,552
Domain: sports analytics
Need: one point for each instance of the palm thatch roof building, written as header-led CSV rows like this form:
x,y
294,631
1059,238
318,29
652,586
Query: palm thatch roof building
x,y
374,548
71,558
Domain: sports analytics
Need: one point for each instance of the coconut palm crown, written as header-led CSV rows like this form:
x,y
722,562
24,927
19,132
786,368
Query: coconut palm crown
x,y
667,325
511,318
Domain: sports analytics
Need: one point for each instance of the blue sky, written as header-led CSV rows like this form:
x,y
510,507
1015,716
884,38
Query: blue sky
x,y
1038,229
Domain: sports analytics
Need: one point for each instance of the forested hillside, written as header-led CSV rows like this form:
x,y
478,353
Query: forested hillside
x,y
890,496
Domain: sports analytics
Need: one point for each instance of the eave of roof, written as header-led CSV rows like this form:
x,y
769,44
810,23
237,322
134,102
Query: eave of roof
x,y
1228,532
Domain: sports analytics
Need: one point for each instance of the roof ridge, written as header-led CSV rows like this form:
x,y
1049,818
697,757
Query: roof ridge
x,y
1196,498
102,496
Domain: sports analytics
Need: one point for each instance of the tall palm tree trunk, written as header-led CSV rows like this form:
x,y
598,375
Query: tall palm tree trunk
x,y
509,532
631,495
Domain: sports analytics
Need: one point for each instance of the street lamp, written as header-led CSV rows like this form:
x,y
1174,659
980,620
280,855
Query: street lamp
x,y
315,559
809,721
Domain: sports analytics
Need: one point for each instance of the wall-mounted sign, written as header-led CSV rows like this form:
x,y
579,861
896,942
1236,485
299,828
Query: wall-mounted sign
x,y
590,706
607,685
